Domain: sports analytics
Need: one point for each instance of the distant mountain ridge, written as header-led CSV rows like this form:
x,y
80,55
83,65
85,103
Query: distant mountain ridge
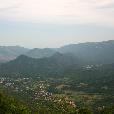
x,y
8,53
91,52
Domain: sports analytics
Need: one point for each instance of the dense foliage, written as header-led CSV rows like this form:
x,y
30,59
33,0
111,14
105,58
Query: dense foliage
x,y
8,105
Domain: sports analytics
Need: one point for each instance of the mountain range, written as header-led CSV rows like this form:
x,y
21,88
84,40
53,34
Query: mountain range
x,y
91,52
91,63
43,66
88,59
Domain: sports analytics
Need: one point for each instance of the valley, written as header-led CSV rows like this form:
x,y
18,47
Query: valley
x,y
60,83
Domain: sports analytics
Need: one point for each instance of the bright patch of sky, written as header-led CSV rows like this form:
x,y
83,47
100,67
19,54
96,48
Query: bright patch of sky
x,y
53,23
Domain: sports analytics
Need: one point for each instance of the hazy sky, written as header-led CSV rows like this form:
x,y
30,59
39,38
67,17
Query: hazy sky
x,y
53,23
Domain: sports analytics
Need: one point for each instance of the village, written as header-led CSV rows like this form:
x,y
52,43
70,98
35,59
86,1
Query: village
x,y
34,90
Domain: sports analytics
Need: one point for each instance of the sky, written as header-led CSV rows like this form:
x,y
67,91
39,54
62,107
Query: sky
x,y
54,23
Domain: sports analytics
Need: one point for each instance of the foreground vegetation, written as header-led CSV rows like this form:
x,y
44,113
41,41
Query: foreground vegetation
x,y
9,105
